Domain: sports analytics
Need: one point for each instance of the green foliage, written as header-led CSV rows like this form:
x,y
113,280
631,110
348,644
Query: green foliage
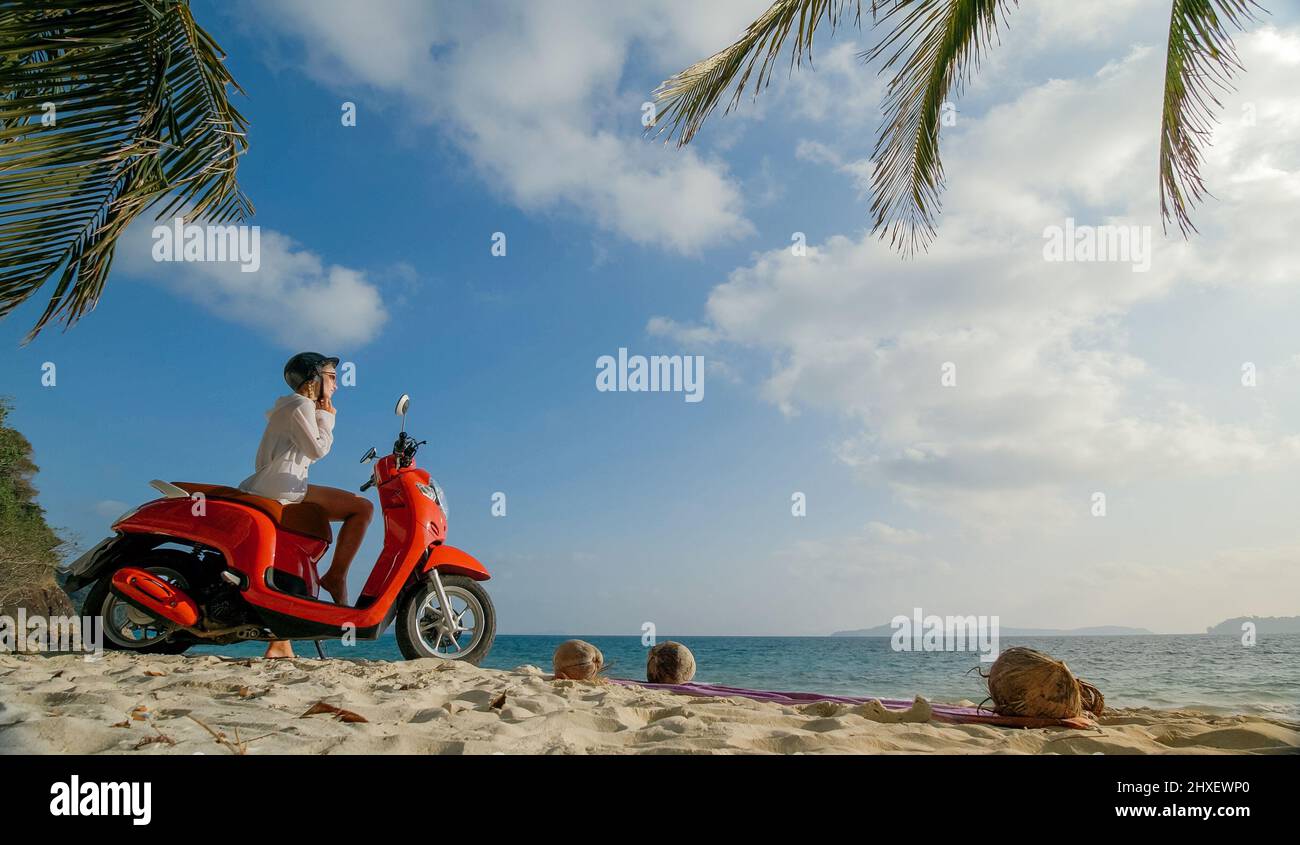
x,y
28,546
108,108
1201,60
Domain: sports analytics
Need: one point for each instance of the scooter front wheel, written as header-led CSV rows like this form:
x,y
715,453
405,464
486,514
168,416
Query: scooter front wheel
x,y
466,632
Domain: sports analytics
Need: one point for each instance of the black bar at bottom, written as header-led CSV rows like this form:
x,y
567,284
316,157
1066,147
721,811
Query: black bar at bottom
x,y
300,795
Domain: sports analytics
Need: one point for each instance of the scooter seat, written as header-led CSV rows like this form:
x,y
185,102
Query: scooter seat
x,y
301,518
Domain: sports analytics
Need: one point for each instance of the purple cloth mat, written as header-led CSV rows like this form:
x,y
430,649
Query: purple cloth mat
x,y
784,697
942,712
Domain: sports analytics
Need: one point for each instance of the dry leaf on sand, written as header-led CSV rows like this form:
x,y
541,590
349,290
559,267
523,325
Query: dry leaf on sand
x,y
338,712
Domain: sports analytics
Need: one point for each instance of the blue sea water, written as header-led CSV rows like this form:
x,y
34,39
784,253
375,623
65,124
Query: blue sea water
x,y
1203,672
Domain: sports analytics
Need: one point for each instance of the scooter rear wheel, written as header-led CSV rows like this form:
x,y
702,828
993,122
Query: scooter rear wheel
x,y
126,628
423,630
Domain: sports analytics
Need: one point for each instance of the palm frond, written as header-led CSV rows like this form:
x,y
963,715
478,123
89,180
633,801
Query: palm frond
x,y
935,46
689,97
141,116
1200,62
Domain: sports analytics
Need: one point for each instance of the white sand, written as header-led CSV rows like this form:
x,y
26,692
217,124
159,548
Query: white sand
x,y
123,704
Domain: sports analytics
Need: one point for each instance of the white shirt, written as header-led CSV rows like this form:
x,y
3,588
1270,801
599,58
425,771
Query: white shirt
x,y
297,433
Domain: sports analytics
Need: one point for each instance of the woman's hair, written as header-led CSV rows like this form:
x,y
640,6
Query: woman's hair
x,y
311,388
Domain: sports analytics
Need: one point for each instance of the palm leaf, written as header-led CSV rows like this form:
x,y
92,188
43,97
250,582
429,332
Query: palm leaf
x,y
142,119
1200,61
689,97
935,46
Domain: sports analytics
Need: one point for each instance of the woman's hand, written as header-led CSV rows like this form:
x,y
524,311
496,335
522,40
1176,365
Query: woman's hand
x,y
324,404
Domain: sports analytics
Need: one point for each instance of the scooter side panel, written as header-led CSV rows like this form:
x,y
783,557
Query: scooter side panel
x,y
296,554
241,534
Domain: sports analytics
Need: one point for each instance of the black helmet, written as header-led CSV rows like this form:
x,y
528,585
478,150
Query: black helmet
x,y
304,367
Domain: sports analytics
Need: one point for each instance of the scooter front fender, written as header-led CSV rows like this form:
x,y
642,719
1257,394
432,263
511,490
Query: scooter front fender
x,y
453,561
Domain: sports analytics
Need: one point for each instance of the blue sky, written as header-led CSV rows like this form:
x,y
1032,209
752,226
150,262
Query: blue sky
x,y
823,371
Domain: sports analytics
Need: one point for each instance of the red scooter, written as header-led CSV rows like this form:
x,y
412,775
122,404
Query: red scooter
x,y
208,564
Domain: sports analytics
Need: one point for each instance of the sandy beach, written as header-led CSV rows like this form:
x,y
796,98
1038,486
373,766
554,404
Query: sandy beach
x,y
129,704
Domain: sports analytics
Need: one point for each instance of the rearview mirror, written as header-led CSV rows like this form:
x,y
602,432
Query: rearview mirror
x,y
402,405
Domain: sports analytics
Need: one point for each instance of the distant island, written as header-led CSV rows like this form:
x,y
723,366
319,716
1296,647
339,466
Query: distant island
x,y
1098,631
1263,625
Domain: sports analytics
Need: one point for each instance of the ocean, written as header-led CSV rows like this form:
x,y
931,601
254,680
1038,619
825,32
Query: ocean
x,y
1211,673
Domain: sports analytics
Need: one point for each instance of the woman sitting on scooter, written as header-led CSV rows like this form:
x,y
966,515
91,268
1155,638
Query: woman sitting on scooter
x,y
299,431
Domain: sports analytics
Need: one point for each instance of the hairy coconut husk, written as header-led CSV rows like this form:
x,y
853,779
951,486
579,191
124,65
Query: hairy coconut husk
x,y
577,660
670,663
1027,682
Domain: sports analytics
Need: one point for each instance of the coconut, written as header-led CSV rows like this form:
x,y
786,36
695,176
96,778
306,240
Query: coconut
x,y
1026,682
577,660
670,663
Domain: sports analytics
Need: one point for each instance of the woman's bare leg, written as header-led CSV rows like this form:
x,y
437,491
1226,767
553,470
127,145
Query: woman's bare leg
x,y
356,513
279,648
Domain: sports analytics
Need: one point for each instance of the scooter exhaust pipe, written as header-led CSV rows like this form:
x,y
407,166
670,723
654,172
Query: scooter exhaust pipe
x,y
154,596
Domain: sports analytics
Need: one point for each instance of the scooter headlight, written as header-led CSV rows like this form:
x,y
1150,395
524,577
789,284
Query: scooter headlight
x,y
434,492
442,500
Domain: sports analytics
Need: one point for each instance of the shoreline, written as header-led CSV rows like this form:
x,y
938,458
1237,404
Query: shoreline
x,y
1209,680
159,704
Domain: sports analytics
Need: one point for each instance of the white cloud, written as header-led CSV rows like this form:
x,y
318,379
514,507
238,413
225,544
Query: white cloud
x,y
532,94
891,534
1048,399
294,297
110,508
837,88
859,170
1053,24
689,335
